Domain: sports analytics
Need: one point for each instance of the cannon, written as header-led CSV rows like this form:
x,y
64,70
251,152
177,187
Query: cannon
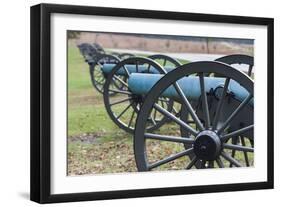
x,y
124,106
97,76
117,74
96,56
221,107
141,84
107,61
86,50
90,51
99,48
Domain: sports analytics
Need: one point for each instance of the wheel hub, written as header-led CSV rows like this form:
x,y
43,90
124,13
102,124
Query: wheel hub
x,y
207,145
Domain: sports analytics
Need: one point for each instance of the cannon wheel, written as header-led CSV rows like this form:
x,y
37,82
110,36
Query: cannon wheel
x,y
238,59
125,118
246,60
230,60
164,60
212,130
115,54
124,56
96,74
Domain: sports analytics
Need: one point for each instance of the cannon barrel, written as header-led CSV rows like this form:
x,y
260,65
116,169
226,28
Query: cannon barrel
x,y
108,67
141,84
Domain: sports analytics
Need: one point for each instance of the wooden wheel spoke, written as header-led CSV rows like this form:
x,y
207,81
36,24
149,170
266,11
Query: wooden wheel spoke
x,y
148,68
192,163
121,81
230,159
235,113
152,118
219,162
120,91
238,132
120,101
204,101
175,119
126,70
170,158
245,153
188,106
169,138
238,147
164,62
131,119
124,111
220,104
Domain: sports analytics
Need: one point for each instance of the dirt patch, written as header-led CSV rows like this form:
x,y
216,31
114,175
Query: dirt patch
x,y
84,100
86,138
98,158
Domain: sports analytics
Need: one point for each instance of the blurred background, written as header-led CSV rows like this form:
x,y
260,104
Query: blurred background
x,y
164,44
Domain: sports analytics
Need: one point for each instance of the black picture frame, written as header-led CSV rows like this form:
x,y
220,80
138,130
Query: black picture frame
x,y
41,98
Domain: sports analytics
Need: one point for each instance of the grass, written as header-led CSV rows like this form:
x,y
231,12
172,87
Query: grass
x,y
88,120
95,143
86,112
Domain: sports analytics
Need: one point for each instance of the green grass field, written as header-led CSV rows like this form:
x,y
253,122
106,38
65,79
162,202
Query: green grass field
x,y
95,143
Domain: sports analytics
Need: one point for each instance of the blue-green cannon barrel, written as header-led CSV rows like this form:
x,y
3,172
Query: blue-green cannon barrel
x,y
141,84
107,68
